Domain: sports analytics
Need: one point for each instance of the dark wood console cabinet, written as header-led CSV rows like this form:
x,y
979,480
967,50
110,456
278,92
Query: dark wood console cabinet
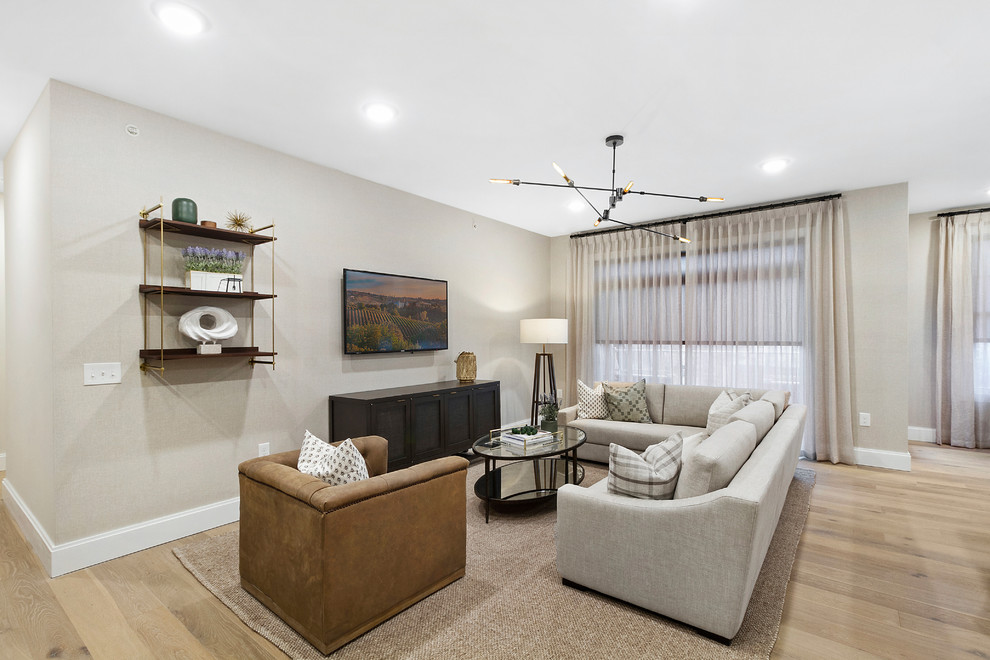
x,y
420,422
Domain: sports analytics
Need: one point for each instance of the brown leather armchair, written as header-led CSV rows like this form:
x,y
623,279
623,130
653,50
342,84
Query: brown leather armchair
x,y
335,561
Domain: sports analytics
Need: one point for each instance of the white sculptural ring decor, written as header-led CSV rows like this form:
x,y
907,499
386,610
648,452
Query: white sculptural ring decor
x,y
221,326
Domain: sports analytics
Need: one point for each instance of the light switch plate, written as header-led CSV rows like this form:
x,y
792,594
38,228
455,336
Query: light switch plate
x,y
101,373
864,419
264,449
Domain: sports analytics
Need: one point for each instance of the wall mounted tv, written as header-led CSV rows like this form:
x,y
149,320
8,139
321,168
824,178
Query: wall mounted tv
x,y
393,313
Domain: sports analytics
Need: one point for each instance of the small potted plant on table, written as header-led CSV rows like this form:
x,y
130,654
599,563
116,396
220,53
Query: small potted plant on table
x,y
548,414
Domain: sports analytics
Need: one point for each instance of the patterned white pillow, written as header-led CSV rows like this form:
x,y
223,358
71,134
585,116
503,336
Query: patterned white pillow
x,y
591,402
724,407
652,476
335,465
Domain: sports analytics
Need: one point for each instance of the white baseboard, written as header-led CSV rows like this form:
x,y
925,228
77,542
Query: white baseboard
x,y
881,458
82,553
3,462
921,434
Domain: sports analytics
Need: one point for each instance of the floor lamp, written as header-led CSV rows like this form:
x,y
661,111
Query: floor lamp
x,y
543,331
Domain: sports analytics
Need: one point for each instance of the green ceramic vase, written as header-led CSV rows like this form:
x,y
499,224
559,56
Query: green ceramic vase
x,y
184,210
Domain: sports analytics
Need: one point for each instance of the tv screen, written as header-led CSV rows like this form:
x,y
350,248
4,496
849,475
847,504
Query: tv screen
x,y
393,313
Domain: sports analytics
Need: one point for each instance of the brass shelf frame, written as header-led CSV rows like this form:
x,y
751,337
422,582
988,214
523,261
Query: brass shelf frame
x,y
160,226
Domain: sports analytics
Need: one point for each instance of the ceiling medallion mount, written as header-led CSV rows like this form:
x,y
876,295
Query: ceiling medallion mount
x,y
616,194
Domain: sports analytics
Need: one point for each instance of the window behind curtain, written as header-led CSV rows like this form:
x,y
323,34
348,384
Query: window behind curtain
x,y
727,311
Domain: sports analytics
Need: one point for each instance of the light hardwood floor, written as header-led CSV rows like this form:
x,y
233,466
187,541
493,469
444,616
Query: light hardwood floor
x,y
891,564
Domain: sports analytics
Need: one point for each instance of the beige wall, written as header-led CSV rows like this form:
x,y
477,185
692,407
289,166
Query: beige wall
x,y
878,248
3,345
123,454
29,431
922,285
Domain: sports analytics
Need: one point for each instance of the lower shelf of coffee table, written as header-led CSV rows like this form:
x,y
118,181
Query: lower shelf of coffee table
x,y
527,480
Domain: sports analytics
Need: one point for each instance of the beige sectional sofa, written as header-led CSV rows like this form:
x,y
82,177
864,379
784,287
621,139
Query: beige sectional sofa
x,y
672,408
694,559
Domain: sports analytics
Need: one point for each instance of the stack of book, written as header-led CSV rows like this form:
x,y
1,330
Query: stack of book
x,y
521,442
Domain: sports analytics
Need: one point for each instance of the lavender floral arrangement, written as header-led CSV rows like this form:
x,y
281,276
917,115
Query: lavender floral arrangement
x,y
214,260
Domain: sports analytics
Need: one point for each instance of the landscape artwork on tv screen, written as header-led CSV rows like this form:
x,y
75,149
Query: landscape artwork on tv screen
x,y
393,313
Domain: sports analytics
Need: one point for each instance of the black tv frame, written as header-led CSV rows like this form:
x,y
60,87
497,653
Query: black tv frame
x,y
344,324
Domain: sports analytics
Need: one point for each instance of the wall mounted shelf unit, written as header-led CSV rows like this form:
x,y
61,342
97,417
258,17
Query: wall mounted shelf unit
x,y
153,359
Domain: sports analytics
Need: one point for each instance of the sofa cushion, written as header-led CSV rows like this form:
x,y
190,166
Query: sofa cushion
x,y
335,465
627,404
690,445
591,402
758,413
651,476
716,460
779,399
725,405
688,405
631,435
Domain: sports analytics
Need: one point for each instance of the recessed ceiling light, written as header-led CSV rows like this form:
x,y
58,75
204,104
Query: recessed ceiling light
x,y
380,113
775,165
577,205
179,18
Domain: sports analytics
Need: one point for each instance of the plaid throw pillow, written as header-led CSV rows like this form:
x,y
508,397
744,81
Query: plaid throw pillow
x,y
591,402
727,404
627,404
335,465
652,476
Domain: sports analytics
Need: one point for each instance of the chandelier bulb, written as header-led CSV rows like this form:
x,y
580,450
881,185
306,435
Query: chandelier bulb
x,y
561,173
627,188
711,199
683,240
514,182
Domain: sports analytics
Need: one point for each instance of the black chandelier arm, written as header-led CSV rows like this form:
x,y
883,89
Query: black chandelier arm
x,y
697,198
652,231
563,185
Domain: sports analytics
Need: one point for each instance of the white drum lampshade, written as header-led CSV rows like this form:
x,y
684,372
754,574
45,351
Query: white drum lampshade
x,y
543,331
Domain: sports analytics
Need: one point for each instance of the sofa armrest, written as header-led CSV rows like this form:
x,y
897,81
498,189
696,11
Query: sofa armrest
x,y
338,497
567,415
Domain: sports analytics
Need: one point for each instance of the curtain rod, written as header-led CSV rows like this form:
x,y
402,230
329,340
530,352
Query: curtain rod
x,y
949,214
706,216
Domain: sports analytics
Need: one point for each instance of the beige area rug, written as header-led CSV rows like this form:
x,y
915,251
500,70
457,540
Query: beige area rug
x,y
511,603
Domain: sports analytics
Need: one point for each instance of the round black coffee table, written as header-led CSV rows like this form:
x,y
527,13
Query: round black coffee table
x,y
533,474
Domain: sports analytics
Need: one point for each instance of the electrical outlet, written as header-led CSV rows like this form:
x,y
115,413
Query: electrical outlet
x,y
101,373
864,419
264,449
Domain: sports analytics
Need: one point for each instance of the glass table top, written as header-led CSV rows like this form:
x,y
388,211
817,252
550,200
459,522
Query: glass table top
x,y
495,446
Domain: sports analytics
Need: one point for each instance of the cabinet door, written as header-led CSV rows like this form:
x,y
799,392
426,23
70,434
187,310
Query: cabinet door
x,y
390,419
459,430
427,426
486,409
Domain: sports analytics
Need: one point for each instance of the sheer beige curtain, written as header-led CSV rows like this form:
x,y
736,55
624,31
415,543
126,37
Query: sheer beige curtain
x,y
962,359
755,300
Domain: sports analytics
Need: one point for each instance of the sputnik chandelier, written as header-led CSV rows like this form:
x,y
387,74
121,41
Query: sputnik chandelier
x,y
616,194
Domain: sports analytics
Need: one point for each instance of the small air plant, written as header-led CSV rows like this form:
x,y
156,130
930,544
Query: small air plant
x,y
238,221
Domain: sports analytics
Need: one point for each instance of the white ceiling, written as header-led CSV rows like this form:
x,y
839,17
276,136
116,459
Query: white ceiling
x,y
856,93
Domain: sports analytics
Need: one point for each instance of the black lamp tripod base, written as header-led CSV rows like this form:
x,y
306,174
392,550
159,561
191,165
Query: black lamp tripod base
x,y
543,383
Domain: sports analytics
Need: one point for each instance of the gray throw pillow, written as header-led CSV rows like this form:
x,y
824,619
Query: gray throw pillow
x,y
652,476
627,404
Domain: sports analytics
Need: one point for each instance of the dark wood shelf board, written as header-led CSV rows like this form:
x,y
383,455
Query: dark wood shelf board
x,y
191,354
184,291
189,229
